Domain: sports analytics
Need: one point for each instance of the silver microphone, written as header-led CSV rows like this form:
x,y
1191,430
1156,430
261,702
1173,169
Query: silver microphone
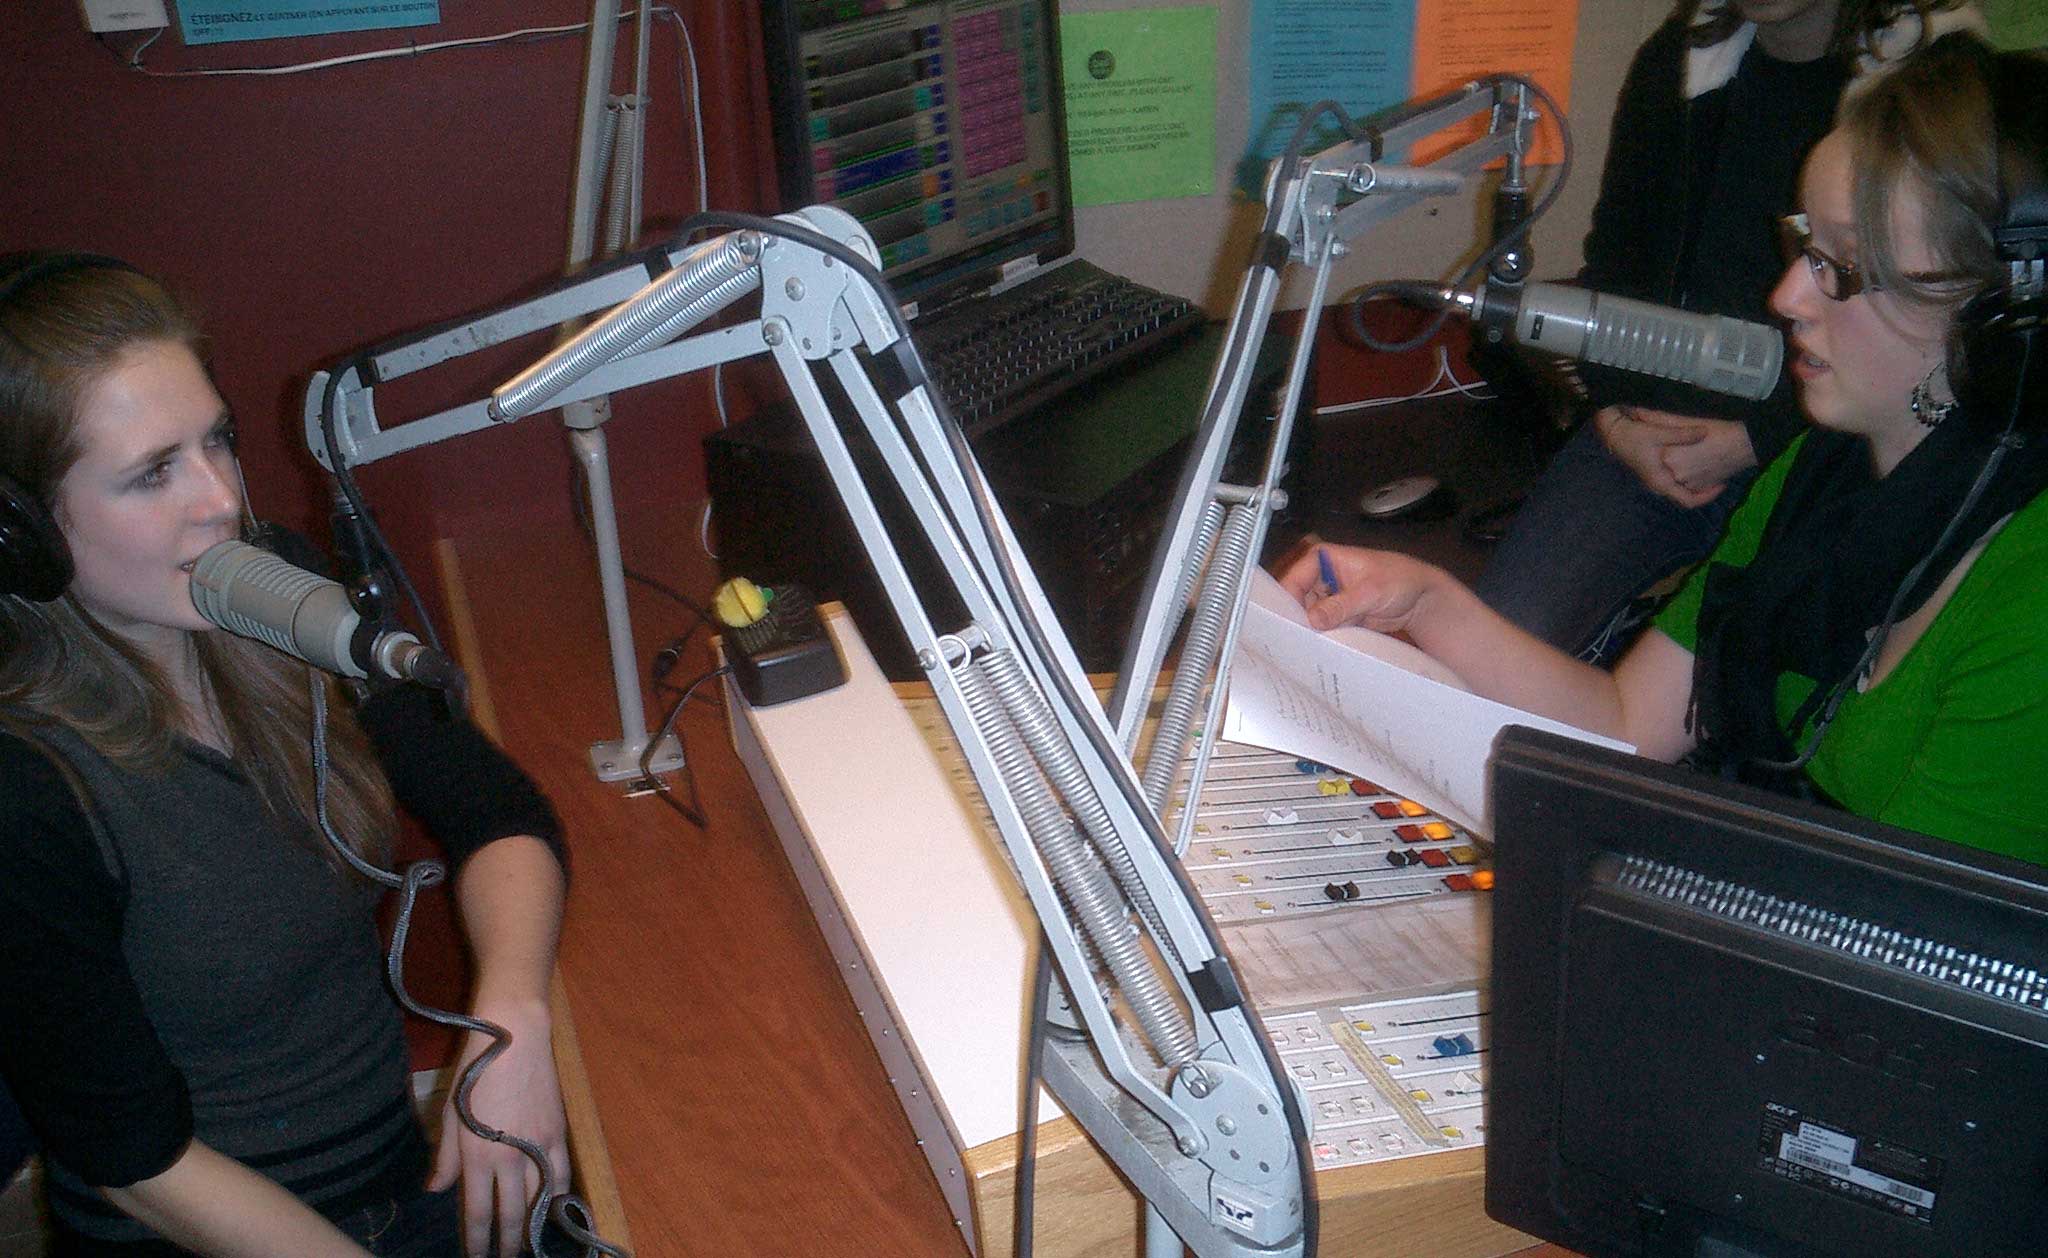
x,y
1709,351
249,591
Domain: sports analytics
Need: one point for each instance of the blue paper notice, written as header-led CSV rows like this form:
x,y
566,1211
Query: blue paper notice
x,y
223,21
1358,54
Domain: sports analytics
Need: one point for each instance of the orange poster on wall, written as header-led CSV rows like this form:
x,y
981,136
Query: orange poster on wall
x,y
1457,41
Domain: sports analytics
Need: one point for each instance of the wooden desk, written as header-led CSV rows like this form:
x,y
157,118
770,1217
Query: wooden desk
x,y
744,1110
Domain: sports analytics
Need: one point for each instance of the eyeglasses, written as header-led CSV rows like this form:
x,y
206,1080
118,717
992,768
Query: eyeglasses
x,y
1838,279
1835,278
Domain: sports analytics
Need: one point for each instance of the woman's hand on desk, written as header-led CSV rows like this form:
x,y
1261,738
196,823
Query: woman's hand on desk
x,y
1686,458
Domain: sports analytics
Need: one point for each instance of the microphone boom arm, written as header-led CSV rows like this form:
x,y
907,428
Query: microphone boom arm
x,y
1316,209
1174,1077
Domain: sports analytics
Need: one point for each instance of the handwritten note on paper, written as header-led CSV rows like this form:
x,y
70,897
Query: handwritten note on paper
x,y
1369,704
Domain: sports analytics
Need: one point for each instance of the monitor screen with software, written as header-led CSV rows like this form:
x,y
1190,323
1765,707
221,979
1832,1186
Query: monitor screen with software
x,y
938,125
1727,1024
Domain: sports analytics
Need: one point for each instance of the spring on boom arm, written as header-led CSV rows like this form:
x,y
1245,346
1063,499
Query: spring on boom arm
x,y
716,274
1014,721
1198,654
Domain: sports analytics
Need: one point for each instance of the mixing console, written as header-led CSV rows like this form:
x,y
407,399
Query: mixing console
x,y
1278,837
1388,1078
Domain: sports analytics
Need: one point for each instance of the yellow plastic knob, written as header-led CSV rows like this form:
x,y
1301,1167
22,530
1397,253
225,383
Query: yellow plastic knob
x,y
739,603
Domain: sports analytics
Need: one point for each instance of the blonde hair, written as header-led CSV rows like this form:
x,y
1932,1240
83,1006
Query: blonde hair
x,y
60,330
1928,128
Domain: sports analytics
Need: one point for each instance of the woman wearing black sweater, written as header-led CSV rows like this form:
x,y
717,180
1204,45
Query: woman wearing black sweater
x,y
196,1024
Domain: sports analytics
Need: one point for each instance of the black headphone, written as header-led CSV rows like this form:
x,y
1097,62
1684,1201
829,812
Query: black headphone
x,y
1994,329
35,561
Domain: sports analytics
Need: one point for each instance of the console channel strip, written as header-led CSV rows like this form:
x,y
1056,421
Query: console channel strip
x,y
1390,1078
1277,836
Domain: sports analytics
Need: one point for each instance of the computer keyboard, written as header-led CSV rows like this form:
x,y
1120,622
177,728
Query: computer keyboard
x,y
1012,353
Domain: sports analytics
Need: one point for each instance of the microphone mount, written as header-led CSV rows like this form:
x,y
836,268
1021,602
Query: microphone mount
x,y
1183,1089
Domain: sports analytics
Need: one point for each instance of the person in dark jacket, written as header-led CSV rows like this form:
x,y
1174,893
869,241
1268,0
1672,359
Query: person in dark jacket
x,y
195,1020
1719,108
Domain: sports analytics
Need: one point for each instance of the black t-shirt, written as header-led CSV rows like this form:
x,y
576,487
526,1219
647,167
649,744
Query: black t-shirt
x,y
1687,198
1776,112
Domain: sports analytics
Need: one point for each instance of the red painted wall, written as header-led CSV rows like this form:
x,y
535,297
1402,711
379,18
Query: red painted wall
x,y
308,215
311,214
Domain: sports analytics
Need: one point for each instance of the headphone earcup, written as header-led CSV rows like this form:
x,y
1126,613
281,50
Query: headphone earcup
x,y
35,561
1998,330
1983,366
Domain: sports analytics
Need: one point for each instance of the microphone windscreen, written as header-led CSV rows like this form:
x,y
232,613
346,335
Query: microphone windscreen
x,y
251,592
1710,351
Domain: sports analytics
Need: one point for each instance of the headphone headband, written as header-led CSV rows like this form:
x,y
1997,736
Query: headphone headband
x,y
1993,325
19,270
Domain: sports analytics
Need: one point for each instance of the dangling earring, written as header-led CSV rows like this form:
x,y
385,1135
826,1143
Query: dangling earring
x,y
1925,409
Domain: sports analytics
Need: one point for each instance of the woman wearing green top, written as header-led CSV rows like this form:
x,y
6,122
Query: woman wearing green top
x,y
1873,629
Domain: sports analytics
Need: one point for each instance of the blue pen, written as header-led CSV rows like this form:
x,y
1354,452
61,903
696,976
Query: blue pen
x,y
1329,573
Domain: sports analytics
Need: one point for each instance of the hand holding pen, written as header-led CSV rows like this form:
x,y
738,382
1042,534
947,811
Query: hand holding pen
x,y
1351,585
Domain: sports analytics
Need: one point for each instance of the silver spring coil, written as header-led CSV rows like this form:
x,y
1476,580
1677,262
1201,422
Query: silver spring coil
x,y
1084,884
1034,719
607,136
1013,760
1198,655
712,302
1205,539
622,119
688,290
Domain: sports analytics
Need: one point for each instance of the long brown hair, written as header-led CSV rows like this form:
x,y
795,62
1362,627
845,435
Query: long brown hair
x,y
61,330
1857,22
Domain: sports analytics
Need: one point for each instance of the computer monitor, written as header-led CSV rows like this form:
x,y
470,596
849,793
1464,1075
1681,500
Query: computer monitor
x,y
1729,1024
940,126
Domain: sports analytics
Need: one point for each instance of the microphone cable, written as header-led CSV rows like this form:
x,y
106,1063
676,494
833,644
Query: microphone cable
x,y
569,1211
670,653
345,478
1403,289
692,812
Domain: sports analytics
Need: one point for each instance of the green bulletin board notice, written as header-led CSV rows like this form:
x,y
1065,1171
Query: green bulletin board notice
x,y
1141,103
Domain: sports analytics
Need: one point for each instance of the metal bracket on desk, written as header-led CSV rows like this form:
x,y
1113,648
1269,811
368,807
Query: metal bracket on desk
x,y
618,759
